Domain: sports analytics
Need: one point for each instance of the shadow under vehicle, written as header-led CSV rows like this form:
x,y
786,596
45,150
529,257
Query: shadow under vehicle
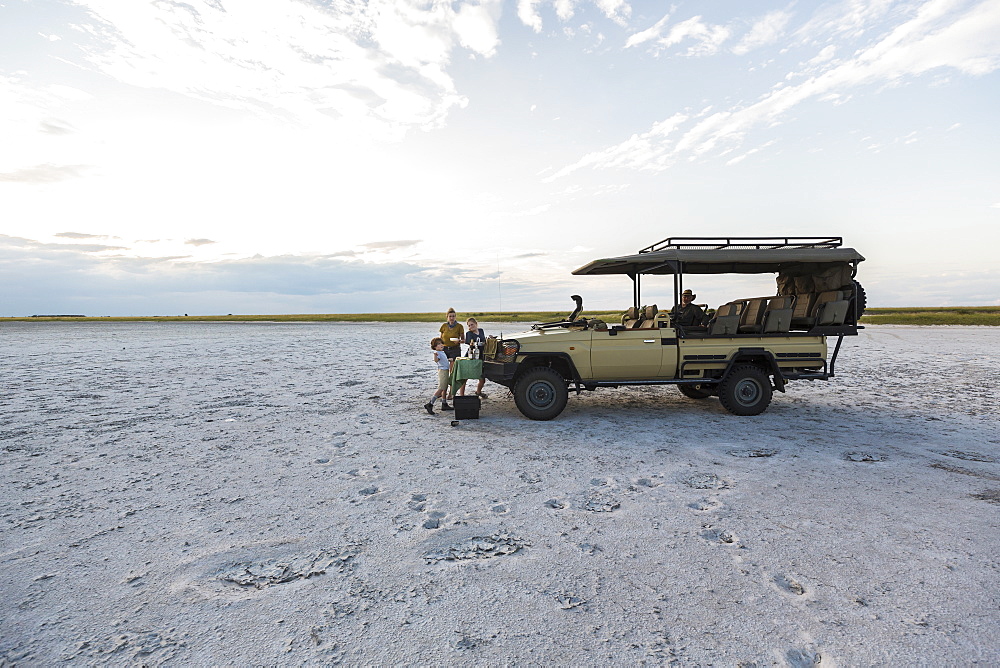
x,y
751,347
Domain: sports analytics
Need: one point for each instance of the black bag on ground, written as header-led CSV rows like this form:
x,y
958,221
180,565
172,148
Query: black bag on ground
x,y
466,408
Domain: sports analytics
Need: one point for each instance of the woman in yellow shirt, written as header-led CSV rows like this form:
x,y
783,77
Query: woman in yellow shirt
x,y
453,334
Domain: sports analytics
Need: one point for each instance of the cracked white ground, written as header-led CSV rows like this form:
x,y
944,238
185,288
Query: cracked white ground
x,y
268,493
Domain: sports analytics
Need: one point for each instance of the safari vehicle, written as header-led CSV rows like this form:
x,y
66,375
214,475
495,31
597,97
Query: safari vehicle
x,y
751,347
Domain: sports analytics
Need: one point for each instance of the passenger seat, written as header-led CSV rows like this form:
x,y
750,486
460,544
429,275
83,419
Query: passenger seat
x,y
753,315
649,317
802,312
831,308
778,315
727,319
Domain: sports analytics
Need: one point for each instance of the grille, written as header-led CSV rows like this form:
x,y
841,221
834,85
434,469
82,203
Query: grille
x,y
496,350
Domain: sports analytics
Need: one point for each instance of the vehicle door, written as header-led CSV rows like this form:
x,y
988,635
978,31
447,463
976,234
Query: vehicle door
x,y
633,354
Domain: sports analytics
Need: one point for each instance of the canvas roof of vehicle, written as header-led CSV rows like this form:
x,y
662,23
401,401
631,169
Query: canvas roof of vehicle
x,y
723,261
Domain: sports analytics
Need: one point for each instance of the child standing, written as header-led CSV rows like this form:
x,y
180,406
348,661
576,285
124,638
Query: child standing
x,y
443,365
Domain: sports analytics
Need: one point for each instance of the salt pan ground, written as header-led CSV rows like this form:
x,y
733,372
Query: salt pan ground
x,y
183,494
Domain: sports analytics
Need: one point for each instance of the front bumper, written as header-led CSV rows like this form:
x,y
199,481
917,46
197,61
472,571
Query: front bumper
x,y
499,372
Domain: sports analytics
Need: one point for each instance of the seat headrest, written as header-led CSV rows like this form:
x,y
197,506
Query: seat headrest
x,y
650,312
732,308
780,303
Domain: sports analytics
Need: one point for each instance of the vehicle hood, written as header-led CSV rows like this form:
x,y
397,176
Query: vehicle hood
x,y
536,337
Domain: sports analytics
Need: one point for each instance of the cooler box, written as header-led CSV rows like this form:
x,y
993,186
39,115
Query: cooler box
x,y
466,408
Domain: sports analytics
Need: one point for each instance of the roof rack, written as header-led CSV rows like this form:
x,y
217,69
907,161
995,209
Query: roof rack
x,y
756,243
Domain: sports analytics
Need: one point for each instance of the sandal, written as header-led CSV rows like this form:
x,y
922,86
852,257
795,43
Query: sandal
x,y
482,395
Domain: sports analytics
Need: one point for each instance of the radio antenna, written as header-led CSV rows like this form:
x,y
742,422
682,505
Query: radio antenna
x,y
499,296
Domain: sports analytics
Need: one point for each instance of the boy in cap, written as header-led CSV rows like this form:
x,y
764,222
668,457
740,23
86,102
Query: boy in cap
x,y
443,368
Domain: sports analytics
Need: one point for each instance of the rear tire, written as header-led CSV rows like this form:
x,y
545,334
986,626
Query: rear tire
x,y
699,391
746,390
541,394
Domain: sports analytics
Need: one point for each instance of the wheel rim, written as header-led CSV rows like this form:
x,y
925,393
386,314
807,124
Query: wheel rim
x,y
541,394
747,392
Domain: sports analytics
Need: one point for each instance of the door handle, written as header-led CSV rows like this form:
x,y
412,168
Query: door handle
x,y
649,340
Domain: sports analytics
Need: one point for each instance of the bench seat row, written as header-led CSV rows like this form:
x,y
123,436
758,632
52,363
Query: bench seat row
x,y
781,313
758,315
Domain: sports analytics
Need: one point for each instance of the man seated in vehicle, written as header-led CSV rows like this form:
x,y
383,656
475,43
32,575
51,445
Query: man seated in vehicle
x,y
687,313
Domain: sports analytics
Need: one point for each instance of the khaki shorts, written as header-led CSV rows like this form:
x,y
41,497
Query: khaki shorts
x,y
443,376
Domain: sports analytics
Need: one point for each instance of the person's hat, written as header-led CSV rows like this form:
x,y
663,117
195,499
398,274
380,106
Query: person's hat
x,y
688,293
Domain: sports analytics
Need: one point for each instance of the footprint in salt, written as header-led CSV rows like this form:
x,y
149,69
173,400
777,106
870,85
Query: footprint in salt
x,y
790,585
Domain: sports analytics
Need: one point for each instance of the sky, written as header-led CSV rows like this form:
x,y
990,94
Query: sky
x,y
323,156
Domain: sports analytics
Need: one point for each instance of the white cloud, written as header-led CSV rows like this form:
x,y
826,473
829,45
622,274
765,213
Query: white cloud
x,y
708,38
847,20
744,156
527,11
388,246
45,173
765,31
649,151
611,189
78,278
649,34
476,27
378,65
968,44
42,140
54,126
565,9
617,10
80,235
825,54
934,37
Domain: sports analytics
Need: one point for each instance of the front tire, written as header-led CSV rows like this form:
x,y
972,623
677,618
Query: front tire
x,y
746,390
540,394
699,391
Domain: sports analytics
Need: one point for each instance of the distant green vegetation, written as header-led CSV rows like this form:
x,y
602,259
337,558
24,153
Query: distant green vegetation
x,y
949,315
521,316
957,315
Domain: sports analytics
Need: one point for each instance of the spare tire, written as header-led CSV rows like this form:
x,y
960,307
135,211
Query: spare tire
x,y
861,298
